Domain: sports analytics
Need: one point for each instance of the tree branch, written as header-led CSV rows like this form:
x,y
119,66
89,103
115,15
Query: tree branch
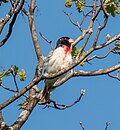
x,y
32,102
89,29
107,42
99,30
50,42
107,124
16,96
33,30
3,21
8,88
115,77
86,73
61,106
11,24
81,124
2,123
24,114
74,23
97,72
99,57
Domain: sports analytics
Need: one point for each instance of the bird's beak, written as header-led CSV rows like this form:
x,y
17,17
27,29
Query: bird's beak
x,y
70,40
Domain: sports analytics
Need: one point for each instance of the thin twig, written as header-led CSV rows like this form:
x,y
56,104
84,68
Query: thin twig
x,y
99,57
107,124
11,24
62,106
115,77
50,42
81,124
99,31
74,23
8,88
14,78
103,8
84,16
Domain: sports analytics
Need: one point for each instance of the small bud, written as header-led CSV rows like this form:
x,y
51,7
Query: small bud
x,y
108,37
82,91
11,69
80,123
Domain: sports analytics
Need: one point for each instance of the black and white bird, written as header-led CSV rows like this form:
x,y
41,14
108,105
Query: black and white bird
x,y
57,60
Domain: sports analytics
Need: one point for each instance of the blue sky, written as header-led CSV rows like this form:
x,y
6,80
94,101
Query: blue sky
x,y
101,100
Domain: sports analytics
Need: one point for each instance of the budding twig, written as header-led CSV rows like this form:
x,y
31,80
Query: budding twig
x,y
62,106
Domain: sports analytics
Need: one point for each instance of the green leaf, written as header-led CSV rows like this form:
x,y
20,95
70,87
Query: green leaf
x,y
23,104
112,7
2,74
117,46
80,5
68,3
75,52
16,69
22,75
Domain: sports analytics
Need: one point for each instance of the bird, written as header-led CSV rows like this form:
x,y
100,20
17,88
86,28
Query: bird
x,y
57,60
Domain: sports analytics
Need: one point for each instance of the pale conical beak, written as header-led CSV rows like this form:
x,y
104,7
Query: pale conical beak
x,y
71,40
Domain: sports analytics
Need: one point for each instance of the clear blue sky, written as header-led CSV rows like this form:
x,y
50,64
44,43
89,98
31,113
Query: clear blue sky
x,y
101,100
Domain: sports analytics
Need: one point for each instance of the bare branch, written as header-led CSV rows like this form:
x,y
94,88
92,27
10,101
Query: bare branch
x,y
99,30
103,8
50,42
63,80
81,124
85,73
89,29
115,77
25,12
33,30
107,124
20,93
99,57
108,42
97,72
74,23
32,102
3,21
25,114
2,122
61,106
11,24
8,88
14,78
79,73
84,16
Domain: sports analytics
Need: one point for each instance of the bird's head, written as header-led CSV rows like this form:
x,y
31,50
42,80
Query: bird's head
x,y
64,41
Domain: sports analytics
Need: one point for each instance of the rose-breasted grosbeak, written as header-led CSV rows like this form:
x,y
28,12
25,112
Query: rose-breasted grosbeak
x,y
57,60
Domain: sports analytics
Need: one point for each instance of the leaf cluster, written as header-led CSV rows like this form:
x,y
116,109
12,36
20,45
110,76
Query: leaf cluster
x,y
117,46
75,53
78,3
14,71
112,7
